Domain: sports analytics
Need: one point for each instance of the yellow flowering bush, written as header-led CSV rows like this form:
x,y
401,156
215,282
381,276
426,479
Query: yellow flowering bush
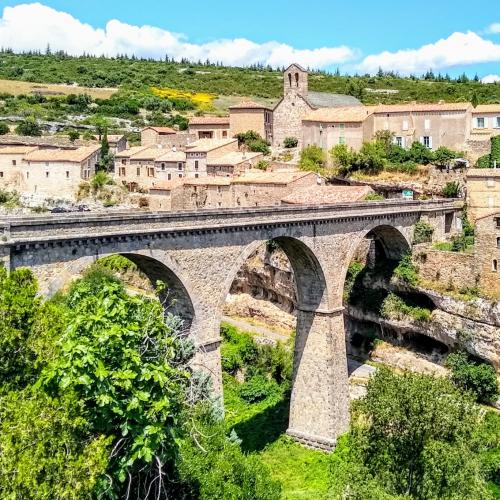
x,y
201,100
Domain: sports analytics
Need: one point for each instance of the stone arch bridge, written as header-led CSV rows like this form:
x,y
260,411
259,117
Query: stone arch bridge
x,y
198,254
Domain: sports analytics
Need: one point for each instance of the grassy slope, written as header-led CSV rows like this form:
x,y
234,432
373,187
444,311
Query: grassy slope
x,y
303,473
264,83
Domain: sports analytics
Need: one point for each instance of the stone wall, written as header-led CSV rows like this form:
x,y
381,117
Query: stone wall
x,y
287,118
487,252
456,270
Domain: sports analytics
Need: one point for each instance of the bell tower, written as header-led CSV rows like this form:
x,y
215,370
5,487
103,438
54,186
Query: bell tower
x,y
295,80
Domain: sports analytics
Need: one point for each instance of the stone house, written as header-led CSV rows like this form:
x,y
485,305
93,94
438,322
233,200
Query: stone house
x,y
250,115
234,163
11,165
483,191
117,143
487,252
298,101
167,137
58,173
140,167
328,127
204,151
209,127
433,125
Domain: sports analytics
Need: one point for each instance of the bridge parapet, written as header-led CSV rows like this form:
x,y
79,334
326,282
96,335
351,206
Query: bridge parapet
x,y
31,229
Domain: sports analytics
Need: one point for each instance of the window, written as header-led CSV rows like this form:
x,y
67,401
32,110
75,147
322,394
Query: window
x,y
138,171
46,163
124,161
14,162
151,172
1,174
498,241
427,141
405,125
296,79
290,78
46,174
224,133
180,176
490,183
494,265
196,165
121,172
448,222
341,140
399,141
342,126
169,177
480,122
67,174
196,176
179,166
427,124
163,166
27,175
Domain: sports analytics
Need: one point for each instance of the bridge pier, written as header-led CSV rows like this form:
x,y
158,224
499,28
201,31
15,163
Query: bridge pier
x,y
319,406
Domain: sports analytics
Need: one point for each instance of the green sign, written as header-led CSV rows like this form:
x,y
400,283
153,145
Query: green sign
x,y
408,194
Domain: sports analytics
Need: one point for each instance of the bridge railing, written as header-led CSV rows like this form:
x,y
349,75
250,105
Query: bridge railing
x,y
95,224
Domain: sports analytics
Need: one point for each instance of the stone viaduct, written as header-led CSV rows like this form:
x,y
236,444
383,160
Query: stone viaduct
x,y
198,254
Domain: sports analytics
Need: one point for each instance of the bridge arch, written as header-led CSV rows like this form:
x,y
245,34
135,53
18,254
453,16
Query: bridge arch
x,y
178,298
319,400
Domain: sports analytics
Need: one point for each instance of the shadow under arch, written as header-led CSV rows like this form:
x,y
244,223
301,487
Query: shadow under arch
x,y
389,239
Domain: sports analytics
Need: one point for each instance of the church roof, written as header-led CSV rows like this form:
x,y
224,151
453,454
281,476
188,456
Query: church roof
x,y
327,100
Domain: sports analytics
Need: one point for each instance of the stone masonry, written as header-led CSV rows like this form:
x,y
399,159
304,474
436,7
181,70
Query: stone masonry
x,y
198,254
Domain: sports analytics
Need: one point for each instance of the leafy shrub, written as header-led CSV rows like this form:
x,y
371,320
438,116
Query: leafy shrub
x,y
374,197
479,378
420,154
406,167
290,142
483,161
4,128
257,388
253,141
29,127
100,180
312,158
238,349
422,233
262,165
443,157
451,190
394,307
353,271
407,271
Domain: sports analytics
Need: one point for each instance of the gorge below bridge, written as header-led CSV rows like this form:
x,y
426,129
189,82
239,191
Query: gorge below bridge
x,y
198,255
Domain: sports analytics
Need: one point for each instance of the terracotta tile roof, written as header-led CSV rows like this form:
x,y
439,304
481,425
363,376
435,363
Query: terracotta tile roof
x,y
162,130
248,105
54,141
486,108
351,114
148,153
483,172
419,107
115,137
260,177
209,120
205,145
325,195
172,156
127,153
62,155
164,185
16,150
234,158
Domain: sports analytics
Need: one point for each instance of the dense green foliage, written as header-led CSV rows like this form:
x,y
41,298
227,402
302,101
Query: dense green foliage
x,y
397,308
253,141
312,158
451,190
257,81
478,377
4,128
290,142
97,400
412,436
29,127
406,270
383,154
423,232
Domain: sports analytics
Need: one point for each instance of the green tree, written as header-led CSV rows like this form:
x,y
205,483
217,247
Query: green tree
x,y
471,375
73,135
4,128
413,436
444,156
451,189
312,158
106,163
29,127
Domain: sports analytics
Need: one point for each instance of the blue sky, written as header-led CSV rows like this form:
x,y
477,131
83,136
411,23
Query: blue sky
x,y
449,36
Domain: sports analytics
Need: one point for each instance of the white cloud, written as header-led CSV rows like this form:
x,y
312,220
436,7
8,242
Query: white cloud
x,y
34,26
459,49
491,79
493,28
